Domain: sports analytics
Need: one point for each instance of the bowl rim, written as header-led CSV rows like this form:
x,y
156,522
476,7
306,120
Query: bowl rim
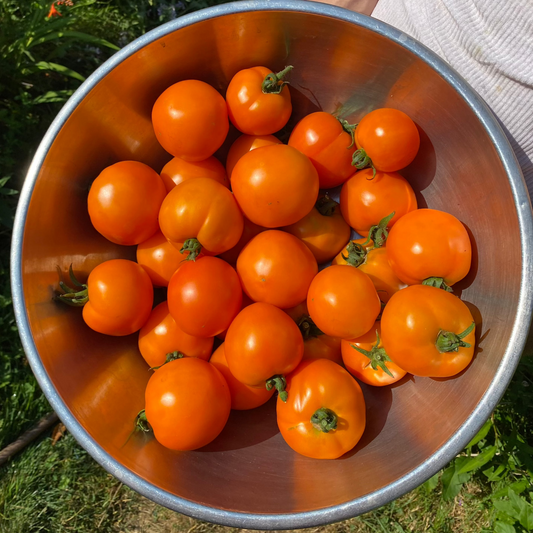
x,y
469,427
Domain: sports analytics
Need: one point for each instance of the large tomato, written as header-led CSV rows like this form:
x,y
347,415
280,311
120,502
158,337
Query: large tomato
x,y
387,139
325,414
243,397
161,336
327,141
190,120
178,170
429,246
323,230
204,210
244,144
263,344
366,358
259,101
365,201
275,185
187,403
343,302
277,268
428,331
204,296
124,202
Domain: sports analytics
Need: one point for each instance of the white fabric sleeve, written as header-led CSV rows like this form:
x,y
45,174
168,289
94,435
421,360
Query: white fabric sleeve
x,y
490,43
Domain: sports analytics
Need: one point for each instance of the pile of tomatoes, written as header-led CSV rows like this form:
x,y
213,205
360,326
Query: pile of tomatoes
x,y
239,250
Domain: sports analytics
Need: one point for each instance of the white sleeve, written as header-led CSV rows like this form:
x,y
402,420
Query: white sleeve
x,y
490,43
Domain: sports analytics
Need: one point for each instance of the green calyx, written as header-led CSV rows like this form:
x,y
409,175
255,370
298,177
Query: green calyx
x,y
172,356
308,328
451,342
192,246
274,83
439,283
380,232
356,254
378,356
326,206
141,422
279,383
76,297
324,420
348,128
361,160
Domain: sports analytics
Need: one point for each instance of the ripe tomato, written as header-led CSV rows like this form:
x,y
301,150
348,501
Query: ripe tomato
x,y
428,331
374,262
373,367
245,144
202,209
187,403
268,200
161,336
117,298
366,201
250,230
323,230
388,137
178,170
431,245
204,296
277,268
190,120
327,141
343,302
325,414
259,101
262,345
242,396
124,202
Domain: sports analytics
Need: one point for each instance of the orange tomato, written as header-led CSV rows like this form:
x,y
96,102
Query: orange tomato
x,y
244,144
277,268
178,170
190,120
259,101
365,201
432,245
242,396
160,336
202,209
325,414
373,367
428,331
263,196
124,202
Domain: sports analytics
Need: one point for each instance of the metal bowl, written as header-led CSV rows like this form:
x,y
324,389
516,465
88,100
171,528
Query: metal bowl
x,y
248,477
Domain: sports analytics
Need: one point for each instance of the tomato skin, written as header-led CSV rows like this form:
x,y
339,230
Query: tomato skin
x,y
343,302
187,403
321,137
365,200
204,296
262,341
178,170
359,365
160,336
411,323
242,396
190,120
277,268
244,144
250,230
266,199
389,137
324,235
204,209
120,298
312,386
250,110
124,202
429,243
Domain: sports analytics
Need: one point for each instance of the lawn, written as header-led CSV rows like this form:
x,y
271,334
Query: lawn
x,y
54,485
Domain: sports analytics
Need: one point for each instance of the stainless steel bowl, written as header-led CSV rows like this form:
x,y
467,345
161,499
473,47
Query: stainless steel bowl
x,y
248,477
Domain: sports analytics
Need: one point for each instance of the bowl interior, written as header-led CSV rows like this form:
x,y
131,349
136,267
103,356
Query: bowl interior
x,y
337,65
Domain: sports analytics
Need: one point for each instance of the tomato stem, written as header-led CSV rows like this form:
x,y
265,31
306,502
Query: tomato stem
x,y
279,383
308,328
361,160
70,296
356,254
326,206
348,128
141,422
274,83
172,356
451,342
192,246
439,283
324,420
378,356
379,232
